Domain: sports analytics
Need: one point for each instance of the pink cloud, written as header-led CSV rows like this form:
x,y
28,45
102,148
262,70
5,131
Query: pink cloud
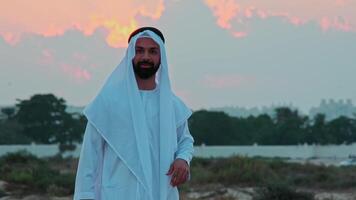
x,y
49,18
338,23
11,38
224,10
48,59
296,21
240,34
330,14
76,71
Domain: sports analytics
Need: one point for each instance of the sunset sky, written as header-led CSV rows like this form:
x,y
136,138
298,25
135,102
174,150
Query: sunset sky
x,y
220,52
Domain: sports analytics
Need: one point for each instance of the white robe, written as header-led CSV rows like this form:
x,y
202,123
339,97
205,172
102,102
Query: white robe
x,y
116,160
102,175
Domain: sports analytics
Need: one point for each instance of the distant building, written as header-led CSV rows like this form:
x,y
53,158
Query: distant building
x,y
236,111
333,109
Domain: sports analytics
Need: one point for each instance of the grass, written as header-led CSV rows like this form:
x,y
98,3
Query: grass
x,y
24,170
32,174
243,171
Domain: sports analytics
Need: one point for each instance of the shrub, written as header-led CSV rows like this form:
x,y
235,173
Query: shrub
x,y
281,192
25,169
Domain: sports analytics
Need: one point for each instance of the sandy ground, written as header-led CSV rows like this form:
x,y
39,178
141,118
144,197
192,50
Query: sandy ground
x,y
211,192
318,161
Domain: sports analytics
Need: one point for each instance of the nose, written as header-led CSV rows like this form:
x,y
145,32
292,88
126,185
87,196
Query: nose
x,y
146,56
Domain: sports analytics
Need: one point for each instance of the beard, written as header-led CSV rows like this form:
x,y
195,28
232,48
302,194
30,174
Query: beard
x,y
145,73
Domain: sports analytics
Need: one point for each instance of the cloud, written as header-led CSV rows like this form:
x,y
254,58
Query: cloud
x,y
275,61
73,70
235,16
76,71
53,18
224,10
62,65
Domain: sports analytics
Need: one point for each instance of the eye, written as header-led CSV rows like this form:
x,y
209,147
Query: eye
x,y
153,51
139,51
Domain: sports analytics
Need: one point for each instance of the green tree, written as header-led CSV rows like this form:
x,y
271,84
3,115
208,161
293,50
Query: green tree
x,y
264,129
45,120
290,126
211,128
318,132
72,131
342,130
11,133
8,111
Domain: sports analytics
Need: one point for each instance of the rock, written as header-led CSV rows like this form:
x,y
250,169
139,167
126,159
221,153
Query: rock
x,y
333,196
240,193
61,198
9,198
35,197
3,185
236,193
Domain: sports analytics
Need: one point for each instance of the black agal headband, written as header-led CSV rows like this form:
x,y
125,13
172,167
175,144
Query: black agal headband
x,y
155,30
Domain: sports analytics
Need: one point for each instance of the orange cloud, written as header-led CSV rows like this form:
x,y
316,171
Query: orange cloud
x,y
239,34
51,18
224,10
329,14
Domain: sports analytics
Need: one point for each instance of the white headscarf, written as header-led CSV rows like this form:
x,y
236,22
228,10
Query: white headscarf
x,y
118,114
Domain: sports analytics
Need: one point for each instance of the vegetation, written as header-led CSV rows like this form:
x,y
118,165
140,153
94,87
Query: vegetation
x,y
273,176
281,192
262,172
42,119
23,170
287,127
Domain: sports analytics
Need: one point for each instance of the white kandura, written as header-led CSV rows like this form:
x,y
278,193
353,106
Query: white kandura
x,y
133,136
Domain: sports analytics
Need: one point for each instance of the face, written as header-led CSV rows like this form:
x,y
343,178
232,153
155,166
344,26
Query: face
x,y
147,58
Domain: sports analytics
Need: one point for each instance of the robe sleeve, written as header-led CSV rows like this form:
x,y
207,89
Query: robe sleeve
x,y
185,143
89,166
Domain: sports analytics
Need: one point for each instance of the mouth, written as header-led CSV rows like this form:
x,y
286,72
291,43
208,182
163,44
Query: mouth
x,y
146,65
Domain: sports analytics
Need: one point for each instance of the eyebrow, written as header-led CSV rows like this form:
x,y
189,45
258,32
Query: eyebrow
x,y
141,47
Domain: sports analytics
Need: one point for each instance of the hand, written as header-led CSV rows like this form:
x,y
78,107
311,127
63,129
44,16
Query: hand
x,y
179,170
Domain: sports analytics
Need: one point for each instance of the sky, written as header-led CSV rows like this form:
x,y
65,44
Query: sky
x,y
220,52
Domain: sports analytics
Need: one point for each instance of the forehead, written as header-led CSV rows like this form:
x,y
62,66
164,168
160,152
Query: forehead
x,y
146,42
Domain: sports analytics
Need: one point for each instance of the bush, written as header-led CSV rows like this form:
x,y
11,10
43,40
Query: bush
x,y
245,171
20,157
19,176
25,169
281,192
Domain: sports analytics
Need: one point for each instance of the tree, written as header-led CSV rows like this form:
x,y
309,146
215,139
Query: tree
x,y
45,120
11,133
72,131
211,128
264,129
318,132
8,111
342,130
290,126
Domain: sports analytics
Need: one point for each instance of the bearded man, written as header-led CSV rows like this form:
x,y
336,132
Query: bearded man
x,y
137,144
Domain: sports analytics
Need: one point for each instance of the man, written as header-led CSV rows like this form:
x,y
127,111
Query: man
x,y
136,145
